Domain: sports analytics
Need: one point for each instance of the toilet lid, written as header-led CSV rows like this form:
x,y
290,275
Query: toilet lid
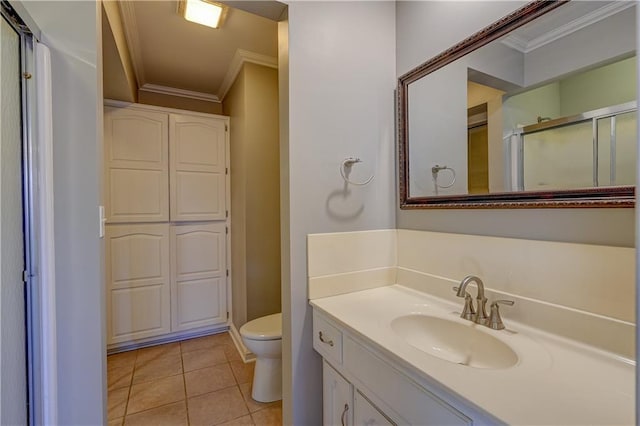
x,y
263,328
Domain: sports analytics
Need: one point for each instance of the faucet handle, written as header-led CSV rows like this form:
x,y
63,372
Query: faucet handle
x,y
495,322
468,312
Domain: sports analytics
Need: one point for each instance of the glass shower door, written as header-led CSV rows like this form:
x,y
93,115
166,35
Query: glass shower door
x,y
13,361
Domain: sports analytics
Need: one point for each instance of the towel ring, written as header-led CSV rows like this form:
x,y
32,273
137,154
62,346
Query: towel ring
x,y
437,169
347,163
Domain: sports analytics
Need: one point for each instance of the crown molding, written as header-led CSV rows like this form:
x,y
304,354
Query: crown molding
x,y
239,59
130,24
568,28
172,91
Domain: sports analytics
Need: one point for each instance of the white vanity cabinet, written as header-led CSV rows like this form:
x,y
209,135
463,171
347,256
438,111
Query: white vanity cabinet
x,y
382,394
337,397
166,196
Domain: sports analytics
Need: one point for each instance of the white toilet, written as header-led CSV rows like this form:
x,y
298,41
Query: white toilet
x,y
263,337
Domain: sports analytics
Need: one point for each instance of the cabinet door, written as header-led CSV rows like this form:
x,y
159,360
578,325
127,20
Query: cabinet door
x,y
337,398
138,282
367,414
199,276
136,165
198,167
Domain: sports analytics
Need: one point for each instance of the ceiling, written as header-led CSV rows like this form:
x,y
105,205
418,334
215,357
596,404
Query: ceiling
x,y
170,55
564,20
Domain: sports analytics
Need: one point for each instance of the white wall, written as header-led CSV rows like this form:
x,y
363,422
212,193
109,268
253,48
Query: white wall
x,y
341,77
71,30
425,29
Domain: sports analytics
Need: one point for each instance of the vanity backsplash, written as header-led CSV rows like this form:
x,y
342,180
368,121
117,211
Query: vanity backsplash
x,y
580,291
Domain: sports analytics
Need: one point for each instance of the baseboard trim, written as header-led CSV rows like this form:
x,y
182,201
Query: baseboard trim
x,y
245,354
153,341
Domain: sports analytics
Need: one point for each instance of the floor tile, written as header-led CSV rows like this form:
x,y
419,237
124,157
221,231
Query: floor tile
x,y
240,421
209,379
168,415
242,371
231,352
216,407
122,359
145,396
157,368
252,405
202,358
117,403
222,339
206,342
118,422
270,416
119,377
155,353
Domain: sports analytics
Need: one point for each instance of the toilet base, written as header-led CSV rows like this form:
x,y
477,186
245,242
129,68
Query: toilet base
x,y
267,380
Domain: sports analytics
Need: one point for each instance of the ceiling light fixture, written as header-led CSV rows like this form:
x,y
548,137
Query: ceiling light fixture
x,y
202,12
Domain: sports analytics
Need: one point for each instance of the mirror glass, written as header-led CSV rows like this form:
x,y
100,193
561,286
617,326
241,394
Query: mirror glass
x,y
549,108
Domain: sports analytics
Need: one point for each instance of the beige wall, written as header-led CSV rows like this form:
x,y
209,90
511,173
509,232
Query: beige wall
x,y
252,104
178,102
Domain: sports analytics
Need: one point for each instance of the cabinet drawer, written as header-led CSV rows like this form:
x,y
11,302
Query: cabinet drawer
x,y
327,339
416,405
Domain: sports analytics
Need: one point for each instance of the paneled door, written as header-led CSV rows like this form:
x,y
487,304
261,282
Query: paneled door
x,y
337,397
199,274
198,166
136,150
138,281
13,380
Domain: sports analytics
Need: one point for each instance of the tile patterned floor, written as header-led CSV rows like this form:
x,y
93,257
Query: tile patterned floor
x,y
195,382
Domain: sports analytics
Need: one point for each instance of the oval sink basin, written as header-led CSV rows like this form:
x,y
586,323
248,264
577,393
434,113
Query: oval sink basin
x,y
455,342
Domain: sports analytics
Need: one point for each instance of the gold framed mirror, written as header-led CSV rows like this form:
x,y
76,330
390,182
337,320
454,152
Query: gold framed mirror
x,y
537,110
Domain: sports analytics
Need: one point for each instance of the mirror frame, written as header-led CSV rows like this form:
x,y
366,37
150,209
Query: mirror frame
x,y
615,196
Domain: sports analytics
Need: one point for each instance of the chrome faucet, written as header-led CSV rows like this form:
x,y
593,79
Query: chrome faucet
x,y
479,316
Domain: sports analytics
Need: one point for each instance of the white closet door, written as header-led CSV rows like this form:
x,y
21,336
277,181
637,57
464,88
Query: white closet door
x,y
136,165
199,275
197,176
138,281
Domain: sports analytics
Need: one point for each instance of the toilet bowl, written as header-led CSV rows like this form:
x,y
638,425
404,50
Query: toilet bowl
x,y
263,337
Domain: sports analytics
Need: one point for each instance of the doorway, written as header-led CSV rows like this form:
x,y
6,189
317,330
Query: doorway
x,y
478,150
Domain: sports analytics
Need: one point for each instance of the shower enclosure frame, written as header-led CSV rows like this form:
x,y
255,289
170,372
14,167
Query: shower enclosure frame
x,y
593,116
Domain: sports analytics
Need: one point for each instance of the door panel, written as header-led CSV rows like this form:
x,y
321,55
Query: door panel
x,y
337,397
13,392
138,281
198,167
198,269
136,149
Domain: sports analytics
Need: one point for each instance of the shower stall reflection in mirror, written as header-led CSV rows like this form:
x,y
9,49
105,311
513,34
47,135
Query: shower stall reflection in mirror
x,y
27,304
593,149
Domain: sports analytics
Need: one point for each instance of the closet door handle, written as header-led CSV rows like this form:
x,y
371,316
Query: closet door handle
x,y
344,413
322,339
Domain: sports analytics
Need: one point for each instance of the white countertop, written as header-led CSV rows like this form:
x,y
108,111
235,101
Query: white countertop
x,y
555,382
